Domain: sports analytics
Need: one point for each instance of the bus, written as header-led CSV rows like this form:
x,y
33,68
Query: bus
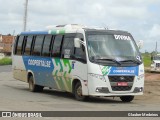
x,y
85,61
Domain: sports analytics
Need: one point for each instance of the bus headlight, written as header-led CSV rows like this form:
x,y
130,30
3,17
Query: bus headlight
x,y
101,77
152,64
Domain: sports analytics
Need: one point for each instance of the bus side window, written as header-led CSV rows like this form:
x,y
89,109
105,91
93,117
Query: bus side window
x,y
24,44
80,54
20,46
47,45
15,45
27,47
68,47
56,52
38,45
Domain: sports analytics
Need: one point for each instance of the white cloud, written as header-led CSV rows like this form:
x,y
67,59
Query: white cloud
x,y
129,12
155,31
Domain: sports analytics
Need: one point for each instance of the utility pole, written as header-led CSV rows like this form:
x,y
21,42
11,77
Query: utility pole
x,y
156,48
25,15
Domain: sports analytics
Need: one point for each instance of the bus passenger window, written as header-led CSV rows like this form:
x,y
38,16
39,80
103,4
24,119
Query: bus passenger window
x,y
57,46
47,46
20,45
15,45
38,45
27,49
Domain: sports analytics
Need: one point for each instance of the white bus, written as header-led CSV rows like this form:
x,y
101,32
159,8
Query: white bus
x,y
80,60
155,63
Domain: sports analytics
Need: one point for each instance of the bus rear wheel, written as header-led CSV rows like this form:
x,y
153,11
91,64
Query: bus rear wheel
x,y
33,87
78,92
127,98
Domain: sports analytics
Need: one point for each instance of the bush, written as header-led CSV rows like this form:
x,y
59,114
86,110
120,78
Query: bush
x,y
6,61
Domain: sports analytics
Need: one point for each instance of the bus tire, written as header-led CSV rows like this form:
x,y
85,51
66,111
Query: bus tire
x,y
78,92
33,87
127,98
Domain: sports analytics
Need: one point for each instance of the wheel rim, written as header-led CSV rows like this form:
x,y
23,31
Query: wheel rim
x,y
79,91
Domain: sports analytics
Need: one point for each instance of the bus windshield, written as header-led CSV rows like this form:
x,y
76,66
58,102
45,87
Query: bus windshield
x,y
112,47
156,58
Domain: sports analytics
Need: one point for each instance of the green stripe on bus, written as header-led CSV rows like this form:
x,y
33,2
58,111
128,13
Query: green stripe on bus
x,y
61,31
53,32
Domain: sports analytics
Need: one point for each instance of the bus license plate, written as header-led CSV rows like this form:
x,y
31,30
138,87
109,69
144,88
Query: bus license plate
x,y
122,84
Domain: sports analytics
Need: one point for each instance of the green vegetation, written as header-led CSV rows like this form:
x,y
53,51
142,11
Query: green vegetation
x,y
6,61
146,59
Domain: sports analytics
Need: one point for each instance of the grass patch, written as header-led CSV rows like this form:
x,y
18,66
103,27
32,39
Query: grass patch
x,y
146,59
5,61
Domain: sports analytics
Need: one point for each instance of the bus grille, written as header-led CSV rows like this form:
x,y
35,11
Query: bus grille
x,y
121,88
119,78
116,79
157,64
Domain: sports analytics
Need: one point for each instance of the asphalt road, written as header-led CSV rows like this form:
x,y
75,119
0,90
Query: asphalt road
x,y
15,96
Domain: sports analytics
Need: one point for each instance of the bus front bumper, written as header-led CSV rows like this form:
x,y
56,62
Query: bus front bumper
x,y
104,91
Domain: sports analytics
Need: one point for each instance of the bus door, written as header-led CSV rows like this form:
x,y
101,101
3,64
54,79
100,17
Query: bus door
x,y
68,61
74,61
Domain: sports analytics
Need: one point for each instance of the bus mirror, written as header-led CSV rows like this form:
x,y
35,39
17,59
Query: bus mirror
x,y
77,42
140,44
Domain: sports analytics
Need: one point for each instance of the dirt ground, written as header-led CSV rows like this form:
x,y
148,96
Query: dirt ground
x,y
151,88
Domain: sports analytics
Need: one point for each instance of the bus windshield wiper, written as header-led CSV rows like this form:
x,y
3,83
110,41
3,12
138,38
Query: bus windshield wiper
x,y
134,61
107,59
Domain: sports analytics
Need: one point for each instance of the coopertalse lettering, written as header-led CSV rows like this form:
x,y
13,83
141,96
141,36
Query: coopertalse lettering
x,y
40,63
123,71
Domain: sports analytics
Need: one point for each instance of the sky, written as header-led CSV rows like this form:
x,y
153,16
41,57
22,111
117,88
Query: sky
x,y
139,17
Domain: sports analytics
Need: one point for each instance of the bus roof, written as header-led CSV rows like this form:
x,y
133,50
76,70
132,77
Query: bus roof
x,y
34,32
61,29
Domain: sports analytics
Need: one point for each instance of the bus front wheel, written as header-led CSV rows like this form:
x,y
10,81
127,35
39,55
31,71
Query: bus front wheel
x,y
127,98
33,87
78,92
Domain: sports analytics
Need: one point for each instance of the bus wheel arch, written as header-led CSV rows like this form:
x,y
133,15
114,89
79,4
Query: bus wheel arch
x,y
32,86
77,90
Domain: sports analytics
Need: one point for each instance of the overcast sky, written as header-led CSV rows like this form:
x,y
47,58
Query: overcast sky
x,y
140,17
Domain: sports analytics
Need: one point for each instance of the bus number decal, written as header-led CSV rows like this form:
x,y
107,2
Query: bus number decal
x,y
122,37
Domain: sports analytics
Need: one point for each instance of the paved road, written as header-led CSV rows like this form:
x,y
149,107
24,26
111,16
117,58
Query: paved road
x,y
15,96
5,68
